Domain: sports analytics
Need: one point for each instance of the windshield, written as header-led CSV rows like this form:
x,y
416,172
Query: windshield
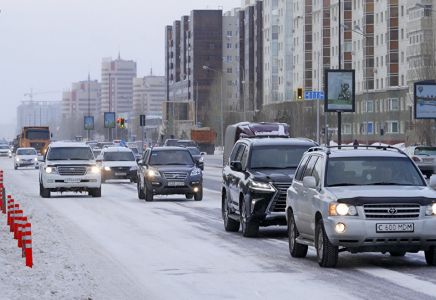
x,y
194,151
277,157
372,171
118,156
185,144
37,134
96,152
134,150
4,147
70,153
425,151
173,157
26,152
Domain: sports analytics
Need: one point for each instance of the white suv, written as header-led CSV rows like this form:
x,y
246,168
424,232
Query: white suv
x,y
369,199
69,166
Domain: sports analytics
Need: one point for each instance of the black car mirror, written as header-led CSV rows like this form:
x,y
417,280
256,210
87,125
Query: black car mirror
x,y
200,165
236,166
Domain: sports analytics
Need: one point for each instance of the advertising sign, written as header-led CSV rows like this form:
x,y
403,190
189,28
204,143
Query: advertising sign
x,y
89,123
425,100
339,91
109,120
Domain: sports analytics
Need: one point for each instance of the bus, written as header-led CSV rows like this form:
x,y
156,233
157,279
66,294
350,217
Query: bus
x,y
37,137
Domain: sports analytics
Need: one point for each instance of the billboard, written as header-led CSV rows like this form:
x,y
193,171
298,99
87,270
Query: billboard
x,y
109,120
89,123
339,91
425,100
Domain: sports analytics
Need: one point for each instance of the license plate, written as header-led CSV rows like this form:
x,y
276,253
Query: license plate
x,y
394,227
176,183
120,174
72,180
428,160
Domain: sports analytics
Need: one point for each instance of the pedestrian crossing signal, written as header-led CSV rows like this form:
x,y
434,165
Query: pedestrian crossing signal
x,y
300,93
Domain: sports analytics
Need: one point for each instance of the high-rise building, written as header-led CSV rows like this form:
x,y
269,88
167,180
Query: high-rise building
x,y
117,76
83,99
232,68
39,113
148,94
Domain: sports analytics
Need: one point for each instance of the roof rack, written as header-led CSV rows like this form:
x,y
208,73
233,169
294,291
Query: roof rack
x,y
244,136
366,146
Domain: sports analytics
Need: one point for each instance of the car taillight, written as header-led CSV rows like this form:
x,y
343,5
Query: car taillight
x,y
415,158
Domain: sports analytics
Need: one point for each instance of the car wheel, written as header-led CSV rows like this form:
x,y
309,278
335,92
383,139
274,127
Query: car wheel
x,y
45,193
430,256
327,253
141,194
148,194
189,196
229,223
295,249
249,228
397,253
96,192
198,196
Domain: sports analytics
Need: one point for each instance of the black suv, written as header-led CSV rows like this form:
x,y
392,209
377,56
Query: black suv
x,y
167,171
256,179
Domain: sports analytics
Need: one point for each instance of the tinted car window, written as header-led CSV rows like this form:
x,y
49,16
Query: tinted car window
x,y
234,152
134,150
172,157
244,158
301,169
280,157
4,147
118,156
26,152
185,143
310,166
317,170
70,153
425,150
194,151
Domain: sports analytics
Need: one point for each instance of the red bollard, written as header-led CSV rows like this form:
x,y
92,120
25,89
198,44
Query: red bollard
x,y
21,229
14,215
10,205
28,242
18,216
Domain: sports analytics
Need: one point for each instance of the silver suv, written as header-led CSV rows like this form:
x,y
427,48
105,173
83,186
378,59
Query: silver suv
x,y
369,199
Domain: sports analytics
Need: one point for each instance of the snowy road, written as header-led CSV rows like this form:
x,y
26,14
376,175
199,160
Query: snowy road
x,y
177,248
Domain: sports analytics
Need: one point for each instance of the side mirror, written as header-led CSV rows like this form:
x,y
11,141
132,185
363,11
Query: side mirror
x,y
236,166
202,153
433,182
40,158
200,165
140,162
309,182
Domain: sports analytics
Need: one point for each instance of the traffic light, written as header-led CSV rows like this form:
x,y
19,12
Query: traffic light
x,y
118,121
122,122
300,93
323,130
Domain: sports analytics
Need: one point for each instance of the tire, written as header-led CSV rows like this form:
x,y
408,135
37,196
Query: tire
x,y
189,196
430,256
45,193
295,249
229,223
198,196
141,194
249,228
327,253
397,253
148,194
96,192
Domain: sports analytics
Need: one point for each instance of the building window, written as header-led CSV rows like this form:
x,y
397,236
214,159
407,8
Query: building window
x,y
211,58
229,33
229,58
229,83
347,128
393,104
211,46
229,70
229,46
392,126
370,127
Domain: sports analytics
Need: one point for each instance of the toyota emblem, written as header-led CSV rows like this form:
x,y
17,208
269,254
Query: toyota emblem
x,y
72,169
392,211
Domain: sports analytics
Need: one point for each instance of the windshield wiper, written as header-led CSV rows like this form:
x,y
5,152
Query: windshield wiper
x,y
181,164
268,168
76,158
342,184
386,183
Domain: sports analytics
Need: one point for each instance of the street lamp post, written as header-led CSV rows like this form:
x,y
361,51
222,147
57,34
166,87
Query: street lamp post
x,y
222,130
359,31
243,87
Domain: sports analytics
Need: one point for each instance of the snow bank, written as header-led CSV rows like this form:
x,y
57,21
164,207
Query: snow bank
x,y
56,272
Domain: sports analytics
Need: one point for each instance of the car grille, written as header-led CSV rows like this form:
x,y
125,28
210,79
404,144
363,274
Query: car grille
x,y
120,169
391,211
175,176
279,202
39,145
71,170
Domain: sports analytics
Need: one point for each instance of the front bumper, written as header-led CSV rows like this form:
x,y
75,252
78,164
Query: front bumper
x,y
119,174
161,185
361,234
56,182
26,163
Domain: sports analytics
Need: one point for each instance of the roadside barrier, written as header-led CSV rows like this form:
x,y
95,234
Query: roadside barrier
x,y
18,223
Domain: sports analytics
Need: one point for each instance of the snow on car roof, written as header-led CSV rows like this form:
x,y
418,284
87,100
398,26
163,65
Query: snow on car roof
x,y
69,144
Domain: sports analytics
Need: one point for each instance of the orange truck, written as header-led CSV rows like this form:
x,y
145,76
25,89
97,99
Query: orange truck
x,y
37,137
205,139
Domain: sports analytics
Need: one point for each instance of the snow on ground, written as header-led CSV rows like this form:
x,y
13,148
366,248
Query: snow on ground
x,y
56,274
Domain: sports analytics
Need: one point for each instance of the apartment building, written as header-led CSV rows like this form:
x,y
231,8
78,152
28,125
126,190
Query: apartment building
x,y
148,94
83,99
39,113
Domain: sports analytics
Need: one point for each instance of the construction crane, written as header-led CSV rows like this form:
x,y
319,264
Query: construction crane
x,y
31,94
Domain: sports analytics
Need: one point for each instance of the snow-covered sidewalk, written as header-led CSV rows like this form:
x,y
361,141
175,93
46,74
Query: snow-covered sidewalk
x,y
56,273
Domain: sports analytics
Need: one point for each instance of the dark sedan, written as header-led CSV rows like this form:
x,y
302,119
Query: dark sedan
x,y
196,155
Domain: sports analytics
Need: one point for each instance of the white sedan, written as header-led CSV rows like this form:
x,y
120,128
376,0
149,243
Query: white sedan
x,y
26,157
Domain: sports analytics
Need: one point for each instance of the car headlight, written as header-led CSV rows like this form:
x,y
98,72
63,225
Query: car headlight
x,y
153,173
195,172
201,159
134,168
17,159
342,209
262,186
95,170
35,159
50,170
430,209
107,168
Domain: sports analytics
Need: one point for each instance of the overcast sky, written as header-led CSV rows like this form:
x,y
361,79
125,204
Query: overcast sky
x,y
48,44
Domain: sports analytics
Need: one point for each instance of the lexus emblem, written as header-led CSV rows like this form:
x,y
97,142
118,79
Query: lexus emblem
x,y
392,211
72,169
175,176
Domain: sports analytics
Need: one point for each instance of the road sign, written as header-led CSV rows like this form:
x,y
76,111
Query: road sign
x,y
314,95
333,128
